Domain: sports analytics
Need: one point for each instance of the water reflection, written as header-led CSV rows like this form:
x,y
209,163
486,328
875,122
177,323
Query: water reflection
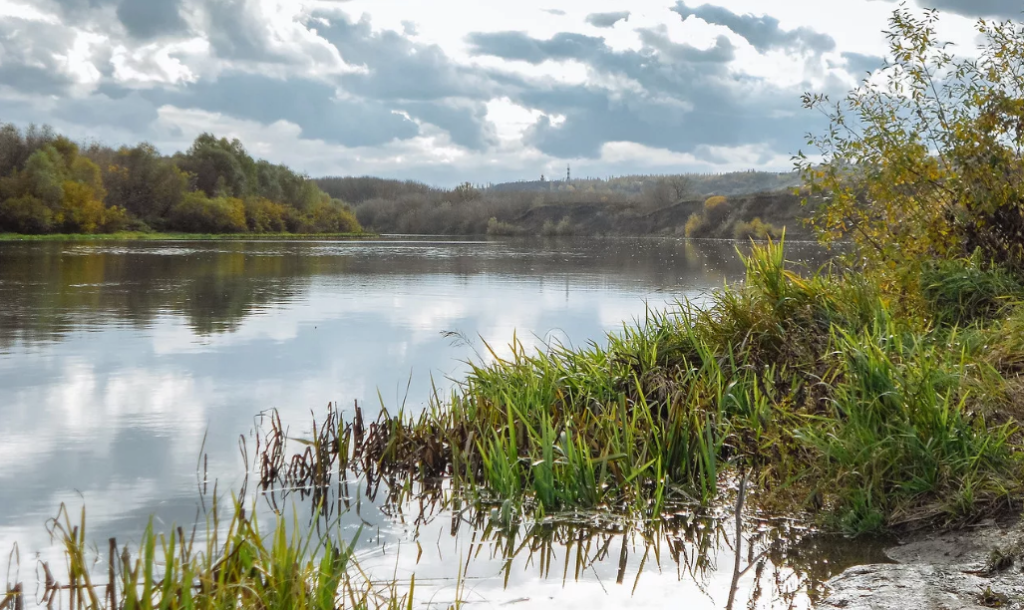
x,y
502,554
596,561
117,358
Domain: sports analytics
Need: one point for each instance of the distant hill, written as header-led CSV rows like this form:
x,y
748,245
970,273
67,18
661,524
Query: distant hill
x,y
699,185
357,189
753,204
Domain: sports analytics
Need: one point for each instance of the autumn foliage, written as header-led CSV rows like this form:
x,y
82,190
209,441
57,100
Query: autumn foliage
x,y
923,159
48,184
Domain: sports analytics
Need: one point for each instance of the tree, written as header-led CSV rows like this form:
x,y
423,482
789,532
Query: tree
x,y
26,214
144,183
682,187
81,211
219,167
465,192
924,158
44,175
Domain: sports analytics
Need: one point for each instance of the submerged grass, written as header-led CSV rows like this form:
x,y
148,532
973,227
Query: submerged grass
x,y
838,400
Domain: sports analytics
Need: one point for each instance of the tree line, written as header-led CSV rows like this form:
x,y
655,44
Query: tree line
x,y
627,205
50,184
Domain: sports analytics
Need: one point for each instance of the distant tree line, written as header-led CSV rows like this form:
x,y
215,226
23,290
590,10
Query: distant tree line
x,y
50,184
622,205
695,184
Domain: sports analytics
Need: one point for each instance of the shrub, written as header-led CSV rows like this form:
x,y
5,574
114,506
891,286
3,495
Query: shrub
x,y
116,219
755,229
333,218
200,214
265,216
27,214
696,226
716,210
81,210
562,227
713,203
496,227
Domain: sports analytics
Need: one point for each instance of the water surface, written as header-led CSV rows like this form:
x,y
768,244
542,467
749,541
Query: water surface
x,y
118,359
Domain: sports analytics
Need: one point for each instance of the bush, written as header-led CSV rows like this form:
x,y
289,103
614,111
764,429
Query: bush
x,y
81,210
716,210
333,218
696,226
27,215
755,229
713,203
116,219
265,216
200,214
562,227
496,227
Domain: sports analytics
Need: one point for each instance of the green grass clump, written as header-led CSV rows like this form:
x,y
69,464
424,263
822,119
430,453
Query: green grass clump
x,y
232,565
839,406
961,291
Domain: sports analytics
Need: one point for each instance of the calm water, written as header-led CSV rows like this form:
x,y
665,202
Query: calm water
x,y
117,358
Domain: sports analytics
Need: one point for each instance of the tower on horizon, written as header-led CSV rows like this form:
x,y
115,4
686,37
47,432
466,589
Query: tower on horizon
x,y
568,173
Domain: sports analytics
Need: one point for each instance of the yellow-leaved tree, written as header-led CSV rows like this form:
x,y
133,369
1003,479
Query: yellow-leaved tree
x,y
923,159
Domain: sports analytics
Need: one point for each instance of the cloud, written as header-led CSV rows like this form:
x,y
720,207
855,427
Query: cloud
x,y
1002,9
327,88
397,68
687,100
37,57
275,32
466,122
554,11
151,18
859,65
764,32
520,46
313,106
130,111
142,19
658,40
607,20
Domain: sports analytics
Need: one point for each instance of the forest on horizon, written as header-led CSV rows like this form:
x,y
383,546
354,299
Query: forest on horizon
x,y
51,184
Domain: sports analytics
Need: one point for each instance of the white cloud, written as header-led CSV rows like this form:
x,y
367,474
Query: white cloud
x,y
9,8
569,74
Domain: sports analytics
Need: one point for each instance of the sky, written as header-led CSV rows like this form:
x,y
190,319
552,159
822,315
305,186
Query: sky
x,y
447,91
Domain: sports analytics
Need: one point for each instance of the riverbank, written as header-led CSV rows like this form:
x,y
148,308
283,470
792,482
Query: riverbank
x,y
968,569
137,235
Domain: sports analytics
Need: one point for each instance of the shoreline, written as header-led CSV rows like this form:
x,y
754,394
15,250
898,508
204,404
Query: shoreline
x,y
965,568
140,236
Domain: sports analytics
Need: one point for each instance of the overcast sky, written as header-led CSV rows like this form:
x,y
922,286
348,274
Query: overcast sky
x,y
451,90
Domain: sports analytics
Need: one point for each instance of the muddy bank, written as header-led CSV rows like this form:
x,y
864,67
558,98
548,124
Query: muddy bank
x,y
978,567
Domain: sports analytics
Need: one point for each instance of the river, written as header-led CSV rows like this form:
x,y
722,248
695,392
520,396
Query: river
x,y
122,364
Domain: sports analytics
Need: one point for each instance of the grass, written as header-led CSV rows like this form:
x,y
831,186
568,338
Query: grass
x,y
232,565
137,235
839,399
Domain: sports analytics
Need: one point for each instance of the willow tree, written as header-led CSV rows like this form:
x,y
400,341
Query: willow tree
x,y
923,159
